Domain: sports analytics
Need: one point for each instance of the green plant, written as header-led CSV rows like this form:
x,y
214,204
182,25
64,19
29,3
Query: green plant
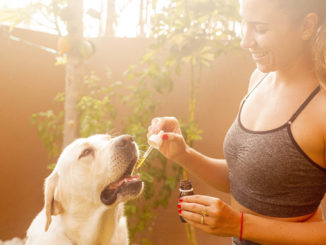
x,y
187,34
187,37
50,127
96,107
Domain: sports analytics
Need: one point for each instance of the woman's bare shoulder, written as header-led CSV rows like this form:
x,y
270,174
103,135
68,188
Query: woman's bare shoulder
x,y
321,106
255,78
321,116
318,110
321,102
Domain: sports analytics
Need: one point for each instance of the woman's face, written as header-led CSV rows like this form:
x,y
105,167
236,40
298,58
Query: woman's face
x,y
270,35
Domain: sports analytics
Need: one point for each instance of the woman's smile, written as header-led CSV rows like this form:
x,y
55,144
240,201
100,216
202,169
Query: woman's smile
x,y
258,56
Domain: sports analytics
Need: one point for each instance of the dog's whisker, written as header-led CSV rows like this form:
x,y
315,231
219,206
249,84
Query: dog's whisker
x,y
113,132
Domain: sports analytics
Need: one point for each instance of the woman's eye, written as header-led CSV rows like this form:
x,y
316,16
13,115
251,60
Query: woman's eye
x,y
86,152
261,29
253,27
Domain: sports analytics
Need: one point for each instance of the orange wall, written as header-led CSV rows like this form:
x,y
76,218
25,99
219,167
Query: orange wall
x,y
28,83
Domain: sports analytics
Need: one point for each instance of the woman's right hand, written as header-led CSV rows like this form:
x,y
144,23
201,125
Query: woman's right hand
x,y
173,146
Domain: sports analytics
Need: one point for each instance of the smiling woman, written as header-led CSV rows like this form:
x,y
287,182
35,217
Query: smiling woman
x,y
274,166
261,32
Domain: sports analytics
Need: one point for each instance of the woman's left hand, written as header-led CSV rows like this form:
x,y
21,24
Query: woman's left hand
x,y
210,215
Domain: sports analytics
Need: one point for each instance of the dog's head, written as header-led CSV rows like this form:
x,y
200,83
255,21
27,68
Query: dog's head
x,y
94,171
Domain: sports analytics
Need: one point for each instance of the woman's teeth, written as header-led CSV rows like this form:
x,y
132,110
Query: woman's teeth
x,y
258,55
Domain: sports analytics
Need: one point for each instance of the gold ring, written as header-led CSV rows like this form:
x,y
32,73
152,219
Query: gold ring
x,y
202,219
203,212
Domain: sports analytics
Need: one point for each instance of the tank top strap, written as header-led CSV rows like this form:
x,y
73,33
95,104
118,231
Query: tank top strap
x,y
255,86
251,90
304,104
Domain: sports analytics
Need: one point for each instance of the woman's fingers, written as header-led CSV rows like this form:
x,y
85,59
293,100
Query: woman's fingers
x,y
172,137
198,213
167,124
204,210
171,125
155,127
200,199
210,214
198,219
197,208
154,120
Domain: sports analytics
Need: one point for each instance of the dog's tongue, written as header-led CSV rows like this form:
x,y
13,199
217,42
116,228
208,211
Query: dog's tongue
x,y
124,180
110,192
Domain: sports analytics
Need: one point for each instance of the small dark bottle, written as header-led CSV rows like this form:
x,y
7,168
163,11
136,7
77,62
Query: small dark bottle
x,y
185,190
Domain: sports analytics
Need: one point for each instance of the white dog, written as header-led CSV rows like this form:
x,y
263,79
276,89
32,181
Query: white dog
x,y
84,194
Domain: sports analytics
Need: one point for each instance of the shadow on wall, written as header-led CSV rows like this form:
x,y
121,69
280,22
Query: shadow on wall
x,y
29,82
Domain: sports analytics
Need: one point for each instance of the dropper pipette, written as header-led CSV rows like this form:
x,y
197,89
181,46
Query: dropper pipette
x,y
154,141
150,148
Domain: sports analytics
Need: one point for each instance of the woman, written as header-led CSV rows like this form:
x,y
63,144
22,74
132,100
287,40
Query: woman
x,y
275,166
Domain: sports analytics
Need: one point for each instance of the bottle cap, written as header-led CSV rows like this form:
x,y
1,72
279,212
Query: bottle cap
x,y
156,140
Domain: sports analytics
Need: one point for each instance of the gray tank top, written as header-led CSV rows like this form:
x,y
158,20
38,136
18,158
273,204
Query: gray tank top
x,y
269,173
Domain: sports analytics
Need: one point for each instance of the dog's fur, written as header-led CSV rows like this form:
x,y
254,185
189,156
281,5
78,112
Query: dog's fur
x,y
13,241
84,194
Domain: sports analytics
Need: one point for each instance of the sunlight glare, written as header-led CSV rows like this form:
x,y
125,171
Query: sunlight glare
x,y
126,26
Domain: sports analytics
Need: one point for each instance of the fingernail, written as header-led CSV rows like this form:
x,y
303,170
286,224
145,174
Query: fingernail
x,y
180,200
179,211
179,206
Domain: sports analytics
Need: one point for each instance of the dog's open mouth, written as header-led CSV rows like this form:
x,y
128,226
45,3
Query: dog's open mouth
x,y
126,185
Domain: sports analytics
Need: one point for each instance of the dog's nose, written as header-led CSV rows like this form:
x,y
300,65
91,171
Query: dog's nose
x,y
124,141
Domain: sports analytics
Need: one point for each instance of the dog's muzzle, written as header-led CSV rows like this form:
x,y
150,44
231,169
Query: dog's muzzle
x,y
126,185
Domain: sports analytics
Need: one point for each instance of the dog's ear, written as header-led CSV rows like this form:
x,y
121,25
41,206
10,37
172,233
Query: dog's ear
x,y
51,206
56,207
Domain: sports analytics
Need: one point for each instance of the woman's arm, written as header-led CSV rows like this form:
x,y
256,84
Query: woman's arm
x,y
268,231
222,220
214,172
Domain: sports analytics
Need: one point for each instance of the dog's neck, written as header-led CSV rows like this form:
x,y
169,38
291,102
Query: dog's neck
x,y
95,225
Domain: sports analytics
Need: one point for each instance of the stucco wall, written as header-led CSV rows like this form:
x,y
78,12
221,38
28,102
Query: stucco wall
x,y
28,83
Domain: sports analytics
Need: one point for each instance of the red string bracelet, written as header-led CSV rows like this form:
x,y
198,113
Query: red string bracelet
x,y
241,226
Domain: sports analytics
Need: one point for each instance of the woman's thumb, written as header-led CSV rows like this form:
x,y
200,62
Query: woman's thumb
x,y
171,136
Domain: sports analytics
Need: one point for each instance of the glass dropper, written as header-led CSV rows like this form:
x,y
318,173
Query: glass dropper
x,y
154,141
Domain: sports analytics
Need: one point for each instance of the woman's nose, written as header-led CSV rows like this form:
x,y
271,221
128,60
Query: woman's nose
x,y
248,40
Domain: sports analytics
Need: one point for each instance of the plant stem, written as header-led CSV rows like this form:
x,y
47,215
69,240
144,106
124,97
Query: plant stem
x,y
191,236
194,87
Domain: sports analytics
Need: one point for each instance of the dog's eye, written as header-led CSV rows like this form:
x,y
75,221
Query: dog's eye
x,y
86,152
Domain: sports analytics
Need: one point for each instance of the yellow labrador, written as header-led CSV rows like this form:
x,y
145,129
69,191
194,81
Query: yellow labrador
x,y
84,194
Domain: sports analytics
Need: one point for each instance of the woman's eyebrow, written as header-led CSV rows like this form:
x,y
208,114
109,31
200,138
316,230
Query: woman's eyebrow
x,y
257,22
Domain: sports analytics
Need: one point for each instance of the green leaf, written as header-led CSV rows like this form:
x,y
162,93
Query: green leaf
x,y
146,177
51,166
